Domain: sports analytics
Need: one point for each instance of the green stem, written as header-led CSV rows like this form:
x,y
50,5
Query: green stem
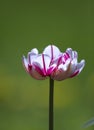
x,y
51,95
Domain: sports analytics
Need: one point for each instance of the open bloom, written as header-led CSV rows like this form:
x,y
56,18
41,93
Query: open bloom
x,y
52,62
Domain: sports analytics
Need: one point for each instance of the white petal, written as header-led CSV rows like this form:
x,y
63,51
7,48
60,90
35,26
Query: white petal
x,y
77,69
36,75
73,65
74,61
52,51
47,61
60,74
25,63
34,51
65,66
74,54
57,61
37,64
53,66
69,51
32,55
81,65
43,62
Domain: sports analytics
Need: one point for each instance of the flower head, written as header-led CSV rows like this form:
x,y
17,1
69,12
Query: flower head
x,y
53,63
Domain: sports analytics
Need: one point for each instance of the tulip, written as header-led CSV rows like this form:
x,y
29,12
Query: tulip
x,y
53,63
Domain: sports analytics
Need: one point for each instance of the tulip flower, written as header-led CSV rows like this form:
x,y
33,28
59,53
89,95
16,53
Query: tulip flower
x,y
54,64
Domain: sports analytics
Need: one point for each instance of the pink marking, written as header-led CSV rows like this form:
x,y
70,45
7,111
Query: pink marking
x,y
29,60
29,68
66,56
74,74
50,70
59,61
52,52
51,55
63,62
38,70
75,54
44,70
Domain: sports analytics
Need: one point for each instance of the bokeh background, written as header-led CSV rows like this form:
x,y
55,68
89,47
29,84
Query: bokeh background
x,y
37,23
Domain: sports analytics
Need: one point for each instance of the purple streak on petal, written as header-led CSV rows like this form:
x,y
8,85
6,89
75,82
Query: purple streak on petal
x,y
59,61
69,52
50,70
75,54
74,74
29,68
67,56
51,52
29,59
44,67
38,70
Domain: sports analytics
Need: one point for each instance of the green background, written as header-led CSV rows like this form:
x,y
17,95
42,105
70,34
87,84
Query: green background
x,y
28,24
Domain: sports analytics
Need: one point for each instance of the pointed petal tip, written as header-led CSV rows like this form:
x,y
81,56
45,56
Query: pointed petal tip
x,y
69,49
82,63
80,67
25,63
23,58
35,51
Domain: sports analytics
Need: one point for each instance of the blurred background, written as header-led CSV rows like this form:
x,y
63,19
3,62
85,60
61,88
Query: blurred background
x,y
37,23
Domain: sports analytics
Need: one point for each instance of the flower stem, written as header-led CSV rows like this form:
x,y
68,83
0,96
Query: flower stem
x,y
51,95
